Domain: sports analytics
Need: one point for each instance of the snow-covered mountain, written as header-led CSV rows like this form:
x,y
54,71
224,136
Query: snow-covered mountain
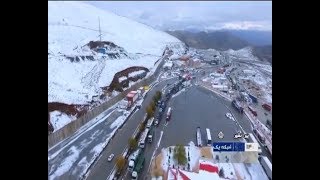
x,y
76,71
71,26
241,54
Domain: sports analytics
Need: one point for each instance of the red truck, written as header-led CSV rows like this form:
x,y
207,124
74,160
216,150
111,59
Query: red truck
x,y
253,111
266,107
132,96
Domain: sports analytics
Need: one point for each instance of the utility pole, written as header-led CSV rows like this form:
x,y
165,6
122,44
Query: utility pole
x,y
99,29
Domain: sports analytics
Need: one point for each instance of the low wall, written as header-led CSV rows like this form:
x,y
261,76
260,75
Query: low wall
x,y
72,127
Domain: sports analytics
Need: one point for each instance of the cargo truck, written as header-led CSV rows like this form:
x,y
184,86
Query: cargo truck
x,y
253,111
260,136
150,122
254,98
150,134
199,140
143,138
132,97
138,168
237,105
266,107
169,112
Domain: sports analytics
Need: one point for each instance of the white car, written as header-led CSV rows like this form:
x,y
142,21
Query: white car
x,y
139,104
238,135
246,136
229,115
110,157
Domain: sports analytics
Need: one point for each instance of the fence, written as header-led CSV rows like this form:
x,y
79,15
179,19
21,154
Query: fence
x,y
72,127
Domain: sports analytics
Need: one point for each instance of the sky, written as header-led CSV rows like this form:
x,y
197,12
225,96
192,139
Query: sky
x,y
195,15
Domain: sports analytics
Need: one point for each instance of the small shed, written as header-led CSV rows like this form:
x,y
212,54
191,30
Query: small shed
x,y
101,50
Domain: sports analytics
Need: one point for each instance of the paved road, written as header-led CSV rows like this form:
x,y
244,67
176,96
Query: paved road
x,y
102,168
78,149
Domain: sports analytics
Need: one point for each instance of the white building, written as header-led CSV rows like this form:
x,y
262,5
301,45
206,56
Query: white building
x,y
168,65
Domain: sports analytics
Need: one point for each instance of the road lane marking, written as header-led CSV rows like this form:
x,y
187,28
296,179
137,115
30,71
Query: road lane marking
x,y
77,135
158,144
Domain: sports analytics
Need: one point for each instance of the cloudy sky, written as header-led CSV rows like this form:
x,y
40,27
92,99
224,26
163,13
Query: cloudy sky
x,y
200,15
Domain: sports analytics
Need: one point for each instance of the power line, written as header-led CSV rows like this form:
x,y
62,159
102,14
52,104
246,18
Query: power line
x,y
99,29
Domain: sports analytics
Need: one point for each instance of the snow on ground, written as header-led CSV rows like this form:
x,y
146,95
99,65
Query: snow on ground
x,y
66,164
256,171
83,162
268,98
249,171
122,79
58,119
96,151
118,122
71,84
68,32
265,67
228,170
87,127
204,175
136,73
241,171
194,153
206,79
220,87
63,22
243,54
65,167
259,79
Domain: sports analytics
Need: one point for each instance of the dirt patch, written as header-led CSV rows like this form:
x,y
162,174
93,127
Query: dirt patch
x,y
97,44
71,110
115,85
156,167
206,152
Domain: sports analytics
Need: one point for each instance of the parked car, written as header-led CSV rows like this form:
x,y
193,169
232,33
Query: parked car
x,y
246,136
139,104
238,135
228,115
163,105
110,157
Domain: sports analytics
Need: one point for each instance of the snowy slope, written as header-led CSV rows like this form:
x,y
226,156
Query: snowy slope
x,y
242,54
71,25
76,23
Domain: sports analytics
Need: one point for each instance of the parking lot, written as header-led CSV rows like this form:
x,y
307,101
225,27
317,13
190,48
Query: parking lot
x,y
196,107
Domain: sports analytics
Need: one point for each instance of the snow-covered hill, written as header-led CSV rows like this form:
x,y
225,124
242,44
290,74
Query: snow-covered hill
x,y
241,54
71,26
76,71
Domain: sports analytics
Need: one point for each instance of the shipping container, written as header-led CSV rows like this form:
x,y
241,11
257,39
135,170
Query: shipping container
x,y
266,107
254,98
252,110
132,97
